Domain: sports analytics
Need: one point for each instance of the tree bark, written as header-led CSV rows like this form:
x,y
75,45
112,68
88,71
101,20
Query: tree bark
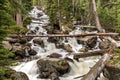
x,y
97,68
68,35
98,25
88,54
19,17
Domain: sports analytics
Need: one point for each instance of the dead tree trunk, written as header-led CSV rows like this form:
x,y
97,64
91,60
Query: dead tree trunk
x,y
97,68
67,35
98,25
88,54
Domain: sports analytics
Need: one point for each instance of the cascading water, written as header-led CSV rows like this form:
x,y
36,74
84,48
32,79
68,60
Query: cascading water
x,y
30,68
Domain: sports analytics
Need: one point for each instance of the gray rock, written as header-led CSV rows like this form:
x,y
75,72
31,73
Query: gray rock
x,y
68,47
7,45
39,42
52,68
19,76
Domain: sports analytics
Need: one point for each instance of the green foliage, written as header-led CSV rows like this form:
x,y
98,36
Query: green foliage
x,y
17,29
115,60
5,73
5,60
109,13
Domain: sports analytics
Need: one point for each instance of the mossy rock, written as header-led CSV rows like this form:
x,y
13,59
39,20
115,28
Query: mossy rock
x,y
112,68
19,76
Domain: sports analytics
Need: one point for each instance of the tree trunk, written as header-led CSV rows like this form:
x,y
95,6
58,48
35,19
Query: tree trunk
x,y
19,17
68,35
88,54
98,25
97,68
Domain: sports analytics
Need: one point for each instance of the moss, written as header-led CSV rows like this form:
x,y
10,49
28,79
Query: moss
x,y
5,61
115,60
17,29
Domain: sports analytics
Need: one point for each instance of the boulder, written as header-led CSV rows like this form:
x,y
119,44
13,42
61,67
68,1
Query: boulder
x,y
83,49
112,72
52,68
32,52
69,59
19,76
39,14
16,46
53,39
20,53
22,40
11,40
54,55
68,47
13,75
91,43
7,45
59,45
104,44
39,42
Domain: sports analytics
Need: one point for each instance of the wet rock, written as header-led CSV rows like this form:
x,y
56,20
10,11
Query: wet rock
x,y
32,52
39,42
91,43
79,41
112,72
28,44
37,28
39,14
22,40
68,47
19,53
19,76
83,49
53,39
68,59
14,41
9,72
52,68
59,45
54,55
16,46
104,44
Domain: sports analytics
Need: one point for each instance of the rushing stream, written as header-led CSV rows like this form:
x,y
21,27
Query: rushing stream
x,y
30,67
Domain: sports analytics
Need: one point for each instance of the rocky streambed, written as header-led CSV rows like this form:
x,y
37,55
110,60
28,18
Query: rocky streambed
x,y
52,58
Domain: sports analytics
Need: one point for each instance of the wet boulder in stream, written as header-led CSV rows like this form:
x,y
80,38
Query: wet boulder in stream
x,y
39,42
91,43
68,47
104,44
19,76
50,68
54,55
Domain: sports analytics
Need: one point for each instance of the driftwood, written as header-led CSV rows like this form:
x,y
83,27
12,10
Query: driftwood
x,y
88,54
68,35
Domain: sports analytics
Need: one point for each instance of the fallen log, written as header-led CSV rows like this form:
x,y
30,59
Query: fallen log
x,y
68,35
88,54
97,68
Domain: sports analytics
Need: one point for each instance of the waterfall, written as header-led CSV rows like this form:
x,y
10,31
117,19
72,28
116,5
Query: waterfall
x,y
38,27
